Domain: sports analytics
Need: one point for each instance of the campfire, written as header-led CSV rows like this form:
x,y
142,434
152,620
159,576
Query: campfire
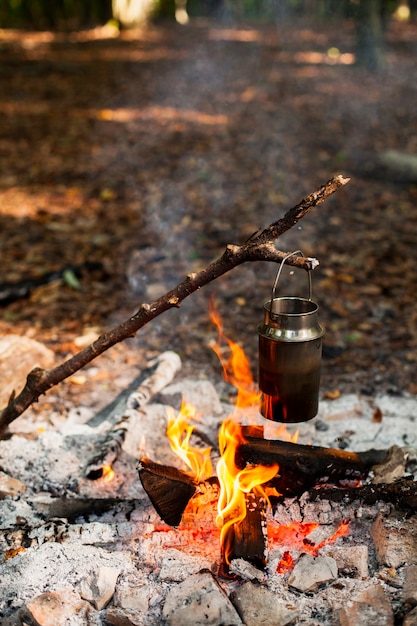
x,y
252,526
251,472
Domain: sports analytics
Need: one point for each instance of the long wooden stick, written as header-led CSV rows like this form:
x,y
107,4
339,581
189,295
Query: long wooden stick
x,y
258,248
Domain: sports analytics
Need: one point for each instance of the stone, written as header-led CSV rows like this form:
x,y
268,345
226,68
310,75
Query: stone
x,y
395,541
400,166
133,596
59,608
350,560
410,585
199,601
310,573
369,608
121,617
411,618
10,486
18,356
201,393
99,585
392,468
246,571
257,606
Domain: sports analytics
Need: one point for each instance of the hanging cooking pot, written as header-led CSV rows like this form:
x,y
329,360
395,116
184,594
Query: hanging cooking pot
x,y
290,348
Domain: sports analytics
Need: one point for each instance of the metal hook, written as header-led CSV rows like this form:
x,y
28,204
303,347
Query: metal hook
x,y
310,287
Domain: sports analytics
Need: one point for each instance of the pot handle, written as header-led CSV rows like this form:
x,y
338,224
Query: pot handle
x,y
274,287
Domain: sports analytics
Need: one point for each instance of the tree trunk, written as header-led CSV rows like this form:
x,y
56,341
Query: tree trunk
x,y
370,34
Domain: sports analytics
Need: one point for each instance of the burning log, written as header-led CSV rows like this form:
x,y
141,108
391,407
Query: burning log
x,y
169,489
248,538
302,467
110,448
402,494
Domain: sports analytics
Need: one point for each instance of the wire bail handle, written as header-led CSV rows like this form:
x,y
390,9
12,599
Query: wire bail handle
x,y
274,287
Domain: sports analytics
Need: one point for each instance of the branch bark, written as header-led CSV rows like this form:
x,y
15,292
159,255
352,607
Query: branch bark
x,y
260,247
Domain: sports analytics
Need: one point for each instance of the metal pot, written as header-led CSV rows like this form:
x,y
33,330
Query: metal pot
x,y
290,349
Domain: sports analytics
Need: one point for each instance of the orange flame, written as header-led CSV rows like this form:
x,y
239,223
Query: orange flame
x,y
179,432
107,473
236,369
235,483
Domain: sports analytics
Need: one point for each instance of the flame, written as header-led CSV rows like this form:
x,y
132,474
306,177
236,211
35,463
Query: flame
x,y
236,369
107,473
179,432
280,431
235,483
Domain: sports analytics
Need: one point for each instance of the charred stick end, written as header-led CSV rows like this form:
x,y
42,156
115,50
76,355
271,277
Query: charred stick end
x,y
247,539
168,488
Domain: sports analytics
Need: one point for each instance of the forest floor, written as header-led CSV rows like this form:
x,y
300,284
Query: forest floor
x,y
146,153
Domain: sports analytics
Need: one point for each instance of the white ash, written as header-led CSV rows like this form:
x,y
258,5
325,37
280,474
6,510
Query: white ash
x,y
53,566
81,553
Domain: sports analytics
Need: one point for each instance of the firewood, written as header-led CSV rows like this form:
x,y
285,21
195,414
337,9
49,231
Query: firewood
x,y
402,494
159,374
169,489
301,467
248,538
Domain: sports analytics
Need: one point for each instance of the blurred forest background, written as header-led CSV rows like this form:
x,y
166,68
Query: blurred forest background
x,y
139,137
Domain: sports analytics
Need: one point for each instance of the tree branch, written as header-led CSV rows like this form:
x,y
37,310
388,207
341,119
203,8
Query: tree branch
x,y
258,248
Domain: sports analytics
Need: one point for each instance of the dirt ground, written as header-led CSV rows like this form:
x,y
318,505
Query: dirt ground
x,y
139,157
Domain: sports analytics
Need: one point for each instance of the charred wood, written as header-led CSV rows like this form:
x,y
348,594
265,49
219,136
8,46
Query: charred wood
x,y
72,508
169,489
248,538
159,375
402,494
302,467
18,290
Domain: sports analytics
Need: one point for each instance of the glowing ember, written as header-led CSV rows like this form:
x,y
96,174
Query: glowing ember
x,y
179,432
107,473
286,563
295,535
